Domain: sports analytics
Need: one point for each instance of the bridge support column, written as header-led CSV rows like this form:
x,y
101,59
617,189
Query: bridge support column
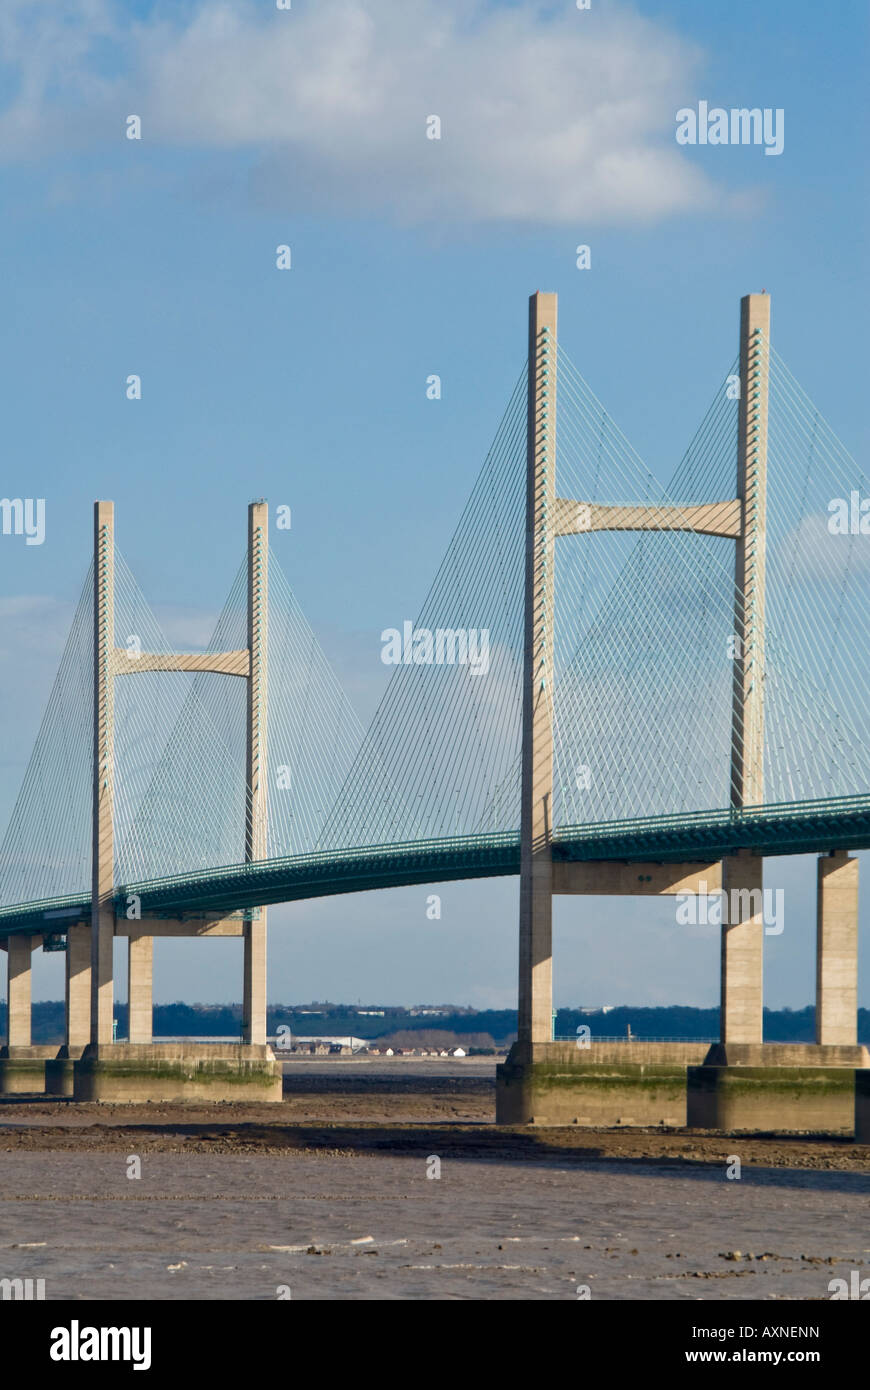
x,y
59,1071
78,987
254,1002
140,1002
741,994
19,958
837,949
22,1066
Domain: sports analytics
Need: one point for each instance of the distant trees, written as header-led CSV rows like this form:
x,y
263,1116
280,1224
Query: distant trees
x,y
498,1026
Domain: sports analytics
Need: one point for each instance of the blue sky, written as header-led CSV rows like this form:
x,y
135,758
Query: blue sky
x,y
306,127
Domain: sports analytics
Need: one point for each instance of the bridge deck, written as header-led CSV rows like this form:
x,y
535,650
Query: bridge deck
x,y
810,827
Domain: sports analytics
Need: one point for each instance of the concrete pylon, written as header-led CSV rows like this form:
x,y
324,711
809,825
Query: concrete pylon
x,y
256,833
102,904
535,1023
742,951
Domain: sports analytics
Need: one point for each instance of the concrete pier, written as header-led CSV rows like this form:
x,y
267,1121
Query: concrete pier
x,y
623,1083
78,986
742,951
781,1087
140,1006
131,1072
19,955
59,1069
22,1065
837,950
22,1068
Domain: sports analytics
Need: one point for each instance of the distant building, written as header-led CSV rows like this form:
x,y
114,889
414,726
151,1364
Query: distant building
x,y
350,1043
458,1052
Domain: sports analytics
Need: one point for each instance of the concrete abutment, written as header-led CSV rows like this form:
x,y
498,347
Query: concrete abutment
x,y
138,1072
630,1083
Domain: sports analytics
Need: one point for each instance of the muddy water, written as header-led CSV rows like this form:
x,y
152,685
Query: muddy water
x,y
329,1195
331,1224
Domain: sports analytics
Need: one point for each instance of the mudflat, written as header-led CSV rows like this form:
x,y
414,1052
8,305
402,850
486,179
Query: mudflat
x,y
389,1184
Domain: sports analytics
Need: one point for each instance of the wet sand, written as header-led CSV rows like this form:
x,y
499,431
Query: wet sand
x,y
327,1195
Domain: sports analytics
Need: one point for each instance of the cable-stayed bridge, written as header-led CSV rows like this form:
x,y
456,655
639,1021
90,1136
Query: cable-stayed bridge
x,y
613,685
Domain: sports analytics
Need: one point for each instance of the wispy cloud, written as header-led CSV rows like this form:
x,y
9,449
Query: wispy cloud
x,y
549,115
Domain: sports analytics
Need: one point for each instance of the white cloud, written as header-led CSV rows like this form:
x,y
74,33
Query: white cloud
x,y
816,555
549,115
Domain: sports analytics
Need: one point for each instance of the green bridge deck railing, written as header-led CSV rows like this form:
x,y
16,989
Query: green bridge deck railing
x,y
696,836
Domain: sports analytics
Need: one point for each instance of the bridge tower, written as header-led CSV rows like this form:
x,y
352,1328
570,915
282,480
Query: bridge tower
x,y
548,517
525,1083
535,1002
256,825
103,844
140,1069
719,1094
742,942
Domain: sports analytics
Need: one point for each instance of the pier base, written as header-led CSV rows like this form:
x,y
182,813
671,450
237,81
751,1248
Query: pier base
x,y
59,1071
787,1087
132,1072
22,1068
630,1083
